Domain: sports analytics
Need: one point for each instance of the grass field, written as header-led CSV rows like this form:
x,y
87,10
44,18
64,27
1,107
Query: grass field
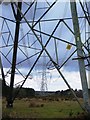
x,y
0,108
39,108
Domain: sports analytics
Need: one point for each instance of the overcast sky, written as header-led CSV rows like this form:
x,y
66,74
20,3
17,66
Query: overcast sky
x,y
70,70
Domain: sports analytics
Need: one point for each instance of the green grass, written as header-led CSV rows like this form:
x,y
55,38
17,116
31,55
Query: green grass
x,y
0,107
51,109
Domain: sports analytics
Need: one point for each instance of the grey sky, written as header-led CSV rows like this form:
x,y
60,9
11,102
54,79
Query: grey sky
x,y
59,10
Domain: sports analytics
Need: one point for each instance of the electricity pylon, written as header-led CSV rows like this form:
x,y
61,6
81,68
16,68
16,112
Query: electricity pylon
x,y
44,76
48,36
80,54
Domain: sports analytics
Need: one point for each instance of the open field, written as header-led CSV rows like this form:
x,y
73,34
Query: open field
x,y
0,108
42,108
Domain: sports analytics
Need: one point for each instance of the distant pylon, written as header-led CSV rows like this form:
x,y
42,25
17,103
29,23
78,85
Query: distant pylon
x,y
44,77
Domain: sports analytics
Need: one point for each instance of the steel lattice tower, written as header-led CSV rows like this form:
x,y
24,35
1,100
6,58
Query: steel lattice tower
x,y
15,44
44,77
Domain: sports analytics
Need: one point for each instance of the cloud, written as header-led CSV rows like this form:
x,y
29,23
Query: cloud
x,y
54,84
47,26
73,78
54,80
69,70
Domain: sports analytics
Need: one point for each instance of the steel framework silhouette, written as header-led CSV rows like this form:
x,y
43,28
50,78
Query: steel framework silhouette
x,y
39,39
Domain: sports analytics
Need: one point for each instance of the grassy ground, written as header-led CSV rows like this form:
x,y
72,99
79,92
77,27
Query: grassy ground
x,y
39,108
0,108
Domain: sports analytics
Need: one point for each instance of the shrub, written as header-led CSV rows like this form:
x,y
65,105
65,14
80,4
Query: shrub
x,y
42,105
33,104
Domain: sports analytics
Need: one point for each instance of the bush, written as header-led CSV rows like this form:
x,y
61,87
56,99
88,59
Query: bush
x,y
33,104
42,105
